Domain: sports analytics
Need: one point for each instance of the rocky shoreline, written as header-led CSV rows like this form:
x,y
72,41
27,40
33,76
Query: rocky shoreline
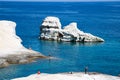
x,y
24,57
11,49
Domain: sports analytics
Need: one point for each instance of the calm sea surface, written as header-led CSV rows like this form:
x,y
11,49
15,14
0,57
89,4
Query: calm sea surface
x,y
99,18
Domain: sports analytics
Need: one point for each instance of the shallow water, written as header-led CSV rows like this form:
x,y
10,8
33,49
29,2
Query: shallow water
x,y
99,18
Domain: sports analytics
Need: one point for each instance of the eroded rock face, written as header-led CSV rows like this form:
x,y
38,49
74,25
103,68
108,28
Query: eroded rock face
x,y
78,35
69,33
49,28
11,49
8,38
51,22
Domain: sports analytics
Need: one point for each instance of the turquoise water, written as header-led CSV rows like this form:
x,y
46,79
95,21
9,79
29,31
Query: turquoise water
x,y
99,18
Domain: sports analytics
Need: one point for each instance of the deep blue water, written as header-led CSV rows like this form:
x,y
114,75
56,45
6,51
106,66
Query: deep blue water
x,y
99,18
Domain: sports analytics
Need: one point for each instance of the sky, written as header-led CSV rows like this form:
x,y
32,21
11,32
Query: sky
x,y
62,0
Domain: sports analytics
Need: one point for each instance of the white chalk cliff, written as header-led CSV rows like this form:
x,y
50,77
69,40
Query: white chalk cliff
x,y
11,49
9,41
51,30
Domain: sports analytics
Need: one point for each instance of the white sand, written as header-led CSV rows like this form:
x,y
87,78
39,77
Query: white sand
x,y
74,76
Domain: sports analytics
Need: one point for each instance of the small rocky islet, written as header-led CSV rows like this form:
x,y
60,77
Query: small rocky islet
x,y
51,30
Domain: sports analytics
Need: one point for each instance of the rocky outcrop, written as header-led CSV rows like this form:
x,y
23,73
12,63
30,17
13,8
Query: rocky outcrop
x,y
51,22
3,63
69,76
51,30
11,49
24,57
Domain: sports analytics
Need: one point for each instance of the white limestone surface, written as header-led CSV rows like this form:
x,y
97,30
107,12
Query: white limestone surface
x,y
10,43
52,22
74,76
51,30
76,33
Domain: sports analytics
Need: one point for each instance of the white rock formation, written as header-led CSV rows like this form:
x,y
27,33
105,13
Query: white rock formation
x,y
74,76
11,49
51,30
78,35
9,41
51,22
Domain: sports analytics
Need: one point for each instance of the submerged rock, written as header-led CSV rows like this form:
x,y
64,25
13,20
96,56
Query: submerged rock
x,y
11,49
51,30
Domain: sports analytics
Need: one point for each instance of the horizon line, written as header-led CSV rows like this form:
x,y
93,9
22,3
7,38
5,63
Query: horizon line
x,y
56,1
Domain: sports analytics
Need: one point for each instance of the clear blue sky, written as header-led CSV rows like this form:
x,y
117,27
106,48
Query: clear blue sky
x,y
61,0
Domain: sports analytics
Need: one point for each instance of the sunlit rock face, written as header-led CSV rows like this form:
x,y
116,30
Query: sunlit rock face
x,y
70,76
11,49
78,35
8,38
51,22
51,30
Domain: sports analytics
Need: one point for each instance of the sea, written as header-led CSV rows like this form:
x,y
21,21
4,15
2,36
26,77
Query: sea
x,y
98,18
